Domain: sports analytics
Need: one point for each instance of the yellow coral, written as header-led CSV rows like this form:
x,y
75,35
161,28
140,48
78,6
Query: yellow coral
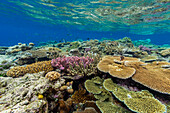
x,y
53,75
145,105
32,68
40,96
142,101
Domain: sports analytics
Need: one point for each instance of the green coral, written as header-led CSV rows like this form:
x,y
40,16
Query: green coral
x,y
104,97
95,86
145,105
92,87
125,40
74,45
109,107
142,101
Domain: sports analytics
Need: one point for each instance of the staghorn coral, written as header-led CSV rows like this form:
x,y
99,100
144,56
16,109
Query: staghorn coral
x,y
32,68
73,45
143,48
53,75
142,101
125,40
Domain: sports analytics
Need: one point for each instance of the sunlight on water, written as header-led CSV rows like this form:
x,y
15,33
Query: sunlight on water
x,y
136,16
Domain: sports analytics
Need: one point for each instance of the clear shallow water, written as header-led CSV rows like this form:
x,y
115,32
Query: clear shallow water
x,y
44,20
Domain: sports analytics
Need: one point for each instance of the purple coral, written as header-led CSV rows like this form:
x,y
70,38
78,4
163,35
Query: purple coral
x,y
64,63
143,48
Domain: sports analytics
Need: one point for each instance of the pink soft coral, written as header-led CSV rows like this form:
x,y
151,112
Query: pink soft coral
x,y
64,63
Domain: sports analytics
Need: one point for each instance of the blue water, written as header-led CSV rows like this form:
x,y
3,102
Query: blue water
x,y
17,26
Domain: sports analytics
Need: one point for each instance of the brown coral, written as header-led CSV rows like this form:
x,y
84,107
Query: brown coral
x,y
153,76
121,71
165,53
32,68
81,96
114,65
53,75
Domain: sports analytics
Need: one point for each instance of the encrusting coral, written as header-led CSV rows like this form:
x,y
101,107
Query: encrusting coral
x,y
32,68
142,101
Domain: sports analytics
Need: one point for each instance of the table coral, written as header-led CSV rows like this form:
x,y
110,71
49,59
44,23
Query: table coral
x,y
153,76
109,107
142,101
114,66
145,105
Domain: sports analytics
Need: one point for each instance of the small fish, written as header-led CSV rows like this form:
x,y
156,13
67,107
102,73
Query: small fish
x,y
122,58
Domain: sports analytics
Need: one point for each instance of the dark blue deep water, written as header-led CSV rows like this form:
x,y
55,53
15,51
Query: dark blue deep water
x,y
17,26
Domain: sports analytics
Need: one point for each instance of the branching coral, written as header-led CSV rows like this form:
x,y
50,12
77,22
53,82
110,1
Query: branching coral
x,y
76,67
81,96
32,68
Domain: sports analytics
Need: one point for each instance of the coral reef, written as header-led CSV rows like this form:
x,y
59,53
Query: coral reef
x,y
81,79
142,102
17,48
150,75
165,53
32,68
143,48
21,94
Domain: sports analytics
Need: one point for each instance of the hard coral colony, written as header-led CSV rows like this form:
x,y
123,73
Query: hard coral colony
x,y
120,83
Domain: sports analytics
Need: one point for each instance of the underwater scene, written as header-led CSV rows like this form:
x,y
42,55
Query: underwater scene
x,y
85,56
